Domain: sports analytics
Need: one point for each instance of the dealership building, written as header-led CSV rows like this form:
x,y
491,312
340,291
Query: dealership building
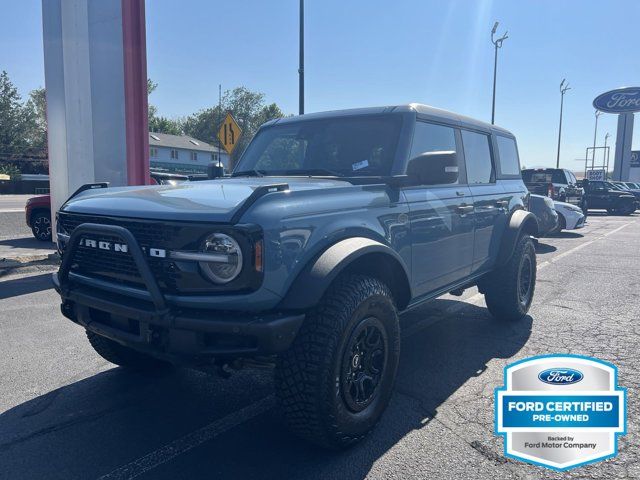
x,y
181,153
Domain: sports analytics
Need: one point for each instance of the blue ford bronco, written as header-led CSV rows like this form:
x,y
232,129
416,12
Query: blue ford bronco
x,y
330,226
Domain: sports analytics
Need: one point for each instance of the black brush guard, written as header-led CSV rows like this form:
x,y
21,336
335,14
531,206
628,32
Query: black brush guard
x,y
151,324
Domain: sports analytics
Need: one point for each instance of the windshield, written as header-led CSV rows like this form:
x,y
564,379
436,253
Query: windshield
x,y
549,175
342,146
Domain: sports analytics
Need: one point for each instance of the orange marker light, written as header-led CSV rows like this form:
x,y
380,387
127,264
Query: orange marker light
x,y
258,256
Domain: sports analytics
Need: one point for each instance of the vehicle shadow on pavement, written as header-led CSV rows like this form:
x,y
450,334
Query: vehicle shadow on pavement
x,y
542,248
567,234
93,426
25,285
27,242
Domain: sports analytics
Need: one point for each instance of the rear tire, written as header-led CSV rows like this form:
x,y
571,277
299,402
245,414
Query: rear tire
x,y
337,378
123,356
509,289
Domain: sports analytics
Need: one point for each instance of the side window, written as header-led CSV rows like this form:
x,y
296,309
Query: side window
x,y
509,164
572,177
477,154
428,137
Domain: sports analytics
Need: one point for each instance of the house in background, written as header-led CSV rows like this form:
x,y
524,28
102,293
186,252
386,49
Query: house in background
x,y
184,154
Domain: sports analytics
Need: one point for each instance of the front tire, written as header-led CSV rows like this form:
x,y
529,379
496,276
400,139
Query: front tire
x,y
337,378
123,356
509,289
41,226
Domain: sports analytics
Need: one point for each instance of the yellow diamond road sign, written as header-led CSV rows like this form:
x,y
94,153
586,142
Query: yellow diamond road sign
x,y
229,133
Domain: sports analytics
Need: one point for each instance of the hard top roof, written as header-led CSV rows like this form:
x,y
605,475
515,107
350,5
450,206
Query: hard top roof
x,y
431,113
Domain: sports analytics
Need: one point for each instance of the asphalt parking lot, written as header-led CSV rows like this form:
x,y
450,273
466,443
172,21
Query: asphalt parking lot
x,y
66,413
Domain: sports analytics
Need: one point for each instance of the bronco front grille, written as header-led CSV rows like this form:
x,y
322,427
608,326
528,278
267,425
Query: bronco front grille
x,y
120,266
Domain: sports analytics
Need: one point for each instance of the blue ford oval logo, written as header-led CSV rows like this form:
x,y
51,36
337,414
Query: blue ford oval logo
x,y
621,100
560,376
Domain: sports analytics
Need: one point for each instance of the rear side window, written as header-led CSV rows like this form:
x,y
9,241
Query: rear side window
x,y
509,164
477,154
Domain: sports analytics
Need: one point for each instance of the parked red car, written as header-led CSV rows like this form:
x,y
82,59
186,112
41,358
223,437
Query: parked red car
x,y
38,209
38,215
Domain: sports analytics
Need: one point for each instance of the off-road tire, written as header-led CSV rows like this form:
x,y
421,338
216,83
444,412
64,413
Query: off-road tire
x,y
41,226
123,356
310,378
504,287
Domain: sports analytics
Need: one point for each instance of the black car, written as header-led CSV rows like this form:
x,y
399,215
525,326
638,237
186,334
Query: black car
x,y
623,186
605,196
557,183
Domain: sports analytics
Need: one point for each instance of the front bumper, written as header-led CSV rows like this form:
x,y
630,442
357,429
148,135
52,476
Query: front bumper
x,y
148,323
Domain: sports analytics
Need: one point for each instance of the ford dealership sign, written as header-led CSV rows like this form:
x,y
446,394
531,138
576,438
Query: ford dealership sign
x,y
621,100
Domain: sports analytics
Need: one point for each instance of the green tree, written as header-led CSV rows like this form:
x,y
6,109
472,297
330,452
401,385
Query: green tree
x,y
246,106
15,120
36,134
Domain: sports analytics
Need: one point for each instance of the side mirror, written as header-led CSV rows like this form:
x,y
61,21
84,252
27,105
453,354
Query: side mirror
x,y
215,170
433,168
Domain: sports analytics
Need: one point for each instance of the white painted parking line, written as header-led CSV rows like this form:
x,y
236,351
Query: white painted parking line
x,y
580,247
190,441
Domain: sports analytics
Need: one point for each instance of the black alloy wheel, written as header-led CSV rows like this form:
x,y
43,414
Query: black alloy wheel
x,y
364,364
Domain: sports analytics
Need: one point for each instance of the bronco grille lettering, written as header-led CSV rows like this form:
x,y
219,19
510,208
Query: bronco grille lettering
x,y
120,247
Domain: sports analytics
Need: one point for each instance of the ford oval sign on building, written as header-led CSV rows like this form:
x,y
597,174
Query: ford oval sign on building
x,y
620,100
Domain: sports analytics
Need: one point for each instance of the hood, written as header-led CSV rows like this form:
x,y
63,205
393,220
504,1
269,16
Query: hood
x,y
211,200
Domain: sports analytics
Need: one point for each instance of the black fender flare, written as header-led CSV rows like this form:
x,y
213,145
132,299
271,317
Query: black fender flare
x,y
312,282
520,222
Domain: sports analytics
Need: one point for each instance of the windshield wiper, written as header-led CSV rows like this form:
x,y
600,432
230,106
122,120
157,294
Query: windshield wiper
x,y
250,173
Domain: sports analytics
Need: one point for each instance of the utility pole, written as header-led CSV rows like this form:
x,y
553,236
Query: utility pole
x,y
218,123
301,62
497,43
563,90
595,134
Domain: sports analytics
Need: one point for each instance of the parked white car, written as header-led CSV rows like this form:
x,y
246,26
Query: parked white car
x,y
570,217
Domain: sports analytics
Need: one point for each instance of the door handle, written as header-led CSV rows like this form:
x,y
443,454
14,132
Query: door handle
x,y
464,209
460,193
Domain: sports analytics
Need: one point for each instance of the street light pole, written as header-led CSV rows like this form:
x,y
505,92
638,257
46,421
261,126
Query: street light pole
x,y
595,134
563,90
604,154
301,64
497,43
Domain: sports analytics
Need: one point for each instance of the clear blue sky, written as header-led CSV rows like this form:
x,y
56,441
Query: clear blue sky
x,y
375,52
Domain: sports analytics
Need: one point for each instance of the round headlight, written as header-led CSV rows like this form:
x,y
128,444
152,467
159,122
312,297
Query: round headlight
x,y
226,262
